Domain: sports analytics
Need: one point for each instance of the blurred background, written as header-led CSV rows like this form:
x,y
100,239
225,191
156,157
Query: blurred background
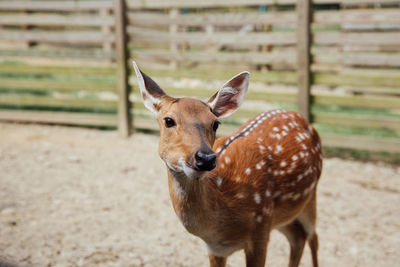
x,y
96,194
337,62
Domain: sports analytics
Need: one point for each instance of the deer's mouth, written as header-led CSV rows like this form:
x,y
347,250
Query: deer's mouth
x,y
190,170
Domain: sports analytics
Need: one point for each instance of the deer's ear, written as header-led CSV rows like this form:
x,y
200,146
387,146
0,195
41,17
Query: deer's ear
x,y
152,94
230,96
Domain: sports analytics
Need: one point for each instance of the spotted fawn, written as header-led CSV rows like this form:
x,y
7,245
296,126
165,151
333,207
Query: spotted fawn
x,y
231,192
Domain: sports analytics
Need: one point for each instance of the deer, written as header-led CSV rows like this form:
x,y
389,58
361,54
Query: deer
x,y
231,192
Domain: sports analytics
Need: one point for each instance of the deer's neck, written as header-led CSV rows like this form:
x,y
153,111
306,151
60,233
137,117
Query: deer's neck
x,y
192,199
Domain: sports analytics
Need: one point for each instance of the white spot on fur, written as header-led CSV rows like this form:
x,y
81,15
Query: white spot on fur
x,y
304,146
299,177
219,181
294,157
283,163
239,195
284,133
267,193
218,150
248,171
278,149
257,198
261,148
275,129
227,160
259,219
285,128
260,164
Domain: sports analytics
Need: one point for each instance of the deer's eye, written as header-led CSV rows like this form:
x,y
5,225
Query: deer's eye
x,y
169,122
215,125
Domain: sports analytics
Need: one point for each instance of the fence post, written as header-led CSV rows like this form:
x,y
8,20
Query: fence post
x,y
124,117
303,57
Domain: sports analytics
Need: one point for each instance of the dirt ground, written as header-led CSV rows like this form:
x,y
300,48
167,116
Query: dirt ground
x,y
80,197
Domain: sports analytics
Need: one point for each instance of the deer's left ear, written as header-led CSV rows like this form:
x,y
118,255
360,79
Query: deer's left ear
x,y
152,94
230,96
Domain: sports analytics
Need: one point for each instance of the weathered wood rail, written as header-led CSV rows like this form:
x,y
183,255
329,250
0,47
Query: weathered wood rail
x,y
336,61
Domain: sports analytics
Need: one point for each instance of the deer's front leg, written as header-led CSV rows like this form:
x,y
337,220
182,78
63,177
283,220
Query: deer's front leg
x,y
256,250
216,261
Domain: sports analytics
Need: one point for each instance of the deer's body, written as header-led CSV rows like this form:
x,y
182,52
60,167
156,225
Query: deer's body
x,y
262,177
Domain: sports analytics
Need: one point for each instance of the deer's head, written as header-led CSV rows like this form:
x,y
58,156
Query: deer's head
x,y
188,126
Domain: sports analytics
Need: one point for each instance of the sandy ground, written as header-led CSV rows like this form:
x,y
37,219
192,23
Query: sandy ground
x,y
79,197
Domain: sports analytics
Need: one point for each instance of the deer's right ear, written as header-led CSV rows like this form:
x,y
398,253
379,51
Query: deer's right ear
x,y
152,94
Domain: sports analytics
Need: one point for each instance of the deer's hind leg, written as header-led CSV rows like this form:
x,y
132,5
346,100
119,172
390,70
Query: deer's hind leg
x,y
297,237
299,231
308,219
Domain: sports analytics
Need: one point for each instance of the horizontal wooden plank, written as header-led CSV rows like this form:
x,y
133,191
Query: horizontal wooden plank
x,y
376,38
46,5
70,37
69,118
215,19
369,16
55,85
137,34
357,121
372,59
57,53
136,4
54,102
369,27
269,96
281,77
55,20
361,142
320,17
378,79
367,79
56,69
287,57
217,57
357,101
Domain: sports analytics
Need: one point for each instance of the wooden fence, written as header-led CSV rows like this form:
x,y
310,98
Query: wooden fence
x,y
335,61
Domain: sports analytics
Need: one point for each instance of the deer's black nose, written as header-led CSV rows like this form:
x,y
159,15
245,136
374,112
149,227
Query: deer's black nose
x,y
205,161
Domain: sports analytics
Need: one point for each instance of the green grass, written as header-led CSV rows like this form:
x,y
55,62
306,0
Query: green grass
x,y
362,155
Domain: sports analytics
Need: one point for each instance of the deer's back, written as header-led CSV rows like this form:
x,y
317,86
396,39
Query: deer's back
x,y
270,165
